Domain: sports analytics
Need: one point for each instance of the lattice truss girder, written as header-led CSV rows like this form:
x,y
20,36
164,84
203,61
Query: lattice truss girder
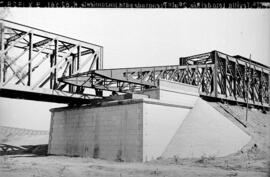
x,y
216,74
242,80
137,79
34,58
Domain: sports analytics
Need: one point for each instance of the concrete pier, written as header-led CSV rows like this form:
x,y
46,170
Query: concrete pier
x,y
157,123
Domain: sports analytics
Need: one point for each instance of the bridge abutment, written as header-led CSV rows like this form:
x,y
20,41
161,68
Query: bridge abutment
x,y
152,124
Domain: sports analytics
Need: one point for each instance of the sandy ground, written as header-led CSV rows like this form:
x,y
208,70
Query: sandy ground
x,y
248,162
58,166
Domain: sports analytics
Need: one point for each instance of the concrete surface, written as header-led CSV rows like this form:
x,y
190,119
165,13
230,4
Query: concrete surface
x,y
206,132
173,92
160,123
111,132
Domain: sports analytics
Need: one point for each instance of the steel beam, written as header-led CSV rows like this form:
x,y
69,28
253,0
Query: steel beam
x,y
1,50
29,58
215,72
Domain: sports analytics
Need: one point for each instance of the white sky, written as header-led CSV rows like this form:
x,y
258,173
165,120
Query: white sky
x,y
143,37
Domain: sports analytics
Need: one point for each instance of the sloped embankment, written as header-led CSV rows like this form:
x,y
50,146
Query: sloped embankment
x,y
257,126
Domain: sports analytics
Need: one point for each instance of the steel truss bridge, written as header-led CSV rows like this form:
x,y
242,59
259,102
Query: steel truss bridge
x,y
32,60
73,71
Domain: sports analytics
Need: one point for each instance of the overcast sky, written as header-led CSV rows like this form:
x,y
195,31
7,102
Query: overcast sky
x,y
142,37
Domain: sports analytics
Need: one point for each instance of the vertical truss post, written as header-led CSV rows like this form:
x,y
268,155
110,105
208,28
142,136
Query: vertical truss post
x,y
70,87
214,56
97,62
78,57
225,76
261,87
5,45
51,75
1,50
99,92
77,67
202,80
268,89
29,58
234,81
182,61
252,74
100,58
74,68
55,62
245,83
154,72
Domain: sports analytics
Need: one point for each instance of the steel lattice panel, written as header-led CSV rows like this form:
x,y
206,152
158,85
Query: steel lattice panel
x,y
32,60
